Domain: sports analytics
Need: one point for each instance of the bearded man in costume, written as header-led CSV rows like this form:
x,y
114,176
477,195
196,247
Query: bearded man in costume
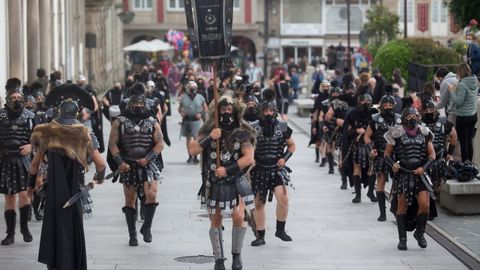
x,y
135,143
67,145
410,152
225,190
379,124
16,125
275,146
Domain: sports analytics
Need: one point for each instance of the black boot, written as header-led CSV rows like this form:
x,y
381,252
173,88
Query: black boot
x,y
371,187
142,207
344,182
381,205
358,189
402,233
195,160
317,155
37,200
216,237
322,164
132,230
260,241
280,233
237,263
147,224
24,212
330,163
10,220
420,230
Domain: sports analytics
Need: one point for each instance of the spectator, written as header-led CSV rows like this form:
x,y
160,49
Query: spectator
x,y
254,73
446,78
473,53
464,97
317,77
295,82
398,81
42,79
398,99
379,90
282,94
331,57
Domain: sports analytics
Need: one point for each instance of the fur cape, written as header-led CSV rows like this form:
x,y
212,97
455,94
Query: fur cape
x,y
73,141
239,109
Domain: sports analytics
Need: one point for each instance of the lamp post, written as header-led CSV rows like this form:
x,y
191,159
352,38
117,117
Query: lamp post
x,y
405,24
349,58
266,32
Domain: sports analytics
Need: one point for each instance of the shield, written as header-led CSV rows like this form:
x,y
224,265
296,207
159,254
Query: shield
x,y
73,91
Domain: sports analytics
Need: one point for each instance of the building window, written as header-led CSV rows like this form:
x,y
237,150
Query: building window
x,y
302,11
236,4
142,4
409,11
352,2
439,11
176,4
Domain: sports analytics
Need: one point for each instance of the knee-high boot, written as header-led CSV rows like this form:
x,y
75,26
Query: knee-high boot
x,y
402,233
147,224
371,187
331,163
317,155
381,205
131,218
238,235
358,189
216,237
420,230
10,220
24,213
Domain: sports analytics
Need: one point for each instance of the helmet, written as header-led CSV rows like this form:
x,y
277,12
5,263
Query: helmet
x,y
429,111
364,101
387,99
407,112
268,105
67,112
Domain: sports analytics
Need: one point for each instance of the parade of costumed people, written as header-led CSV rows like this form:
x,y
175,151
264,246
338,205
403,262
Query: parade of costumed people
x,y
266,151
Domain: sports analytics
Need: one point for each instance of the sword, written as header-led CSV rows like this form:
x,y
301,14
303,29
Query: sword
x,y
83,191
251,221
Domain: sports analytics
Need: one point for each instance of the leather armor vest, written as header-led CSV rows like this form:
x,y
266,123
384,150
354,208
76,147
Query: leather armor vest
x,y
15,132
439,136
270,149
382,126
411,151
137,139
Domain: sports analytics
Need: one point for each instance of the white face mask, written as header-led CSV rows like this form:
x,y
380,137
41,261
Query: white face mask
x,y
469,42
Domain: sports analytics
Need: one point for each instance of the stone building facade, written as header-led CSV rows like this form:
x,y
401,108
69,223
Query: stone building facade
x,y
50,34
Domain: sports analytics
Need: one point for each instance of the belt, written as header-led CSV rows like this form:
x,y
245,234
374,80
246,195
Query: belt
x,y
190,118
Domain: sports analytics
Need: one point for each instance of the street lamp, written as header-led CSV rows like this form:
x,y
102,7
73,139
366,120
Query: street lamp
x,y
349,59
405,24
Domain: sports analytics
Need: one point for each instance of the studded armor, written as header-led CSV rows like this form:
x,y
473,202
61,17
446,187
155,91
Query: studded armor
x,y
380,125
410,151
270,149
15,132
136,139
440,131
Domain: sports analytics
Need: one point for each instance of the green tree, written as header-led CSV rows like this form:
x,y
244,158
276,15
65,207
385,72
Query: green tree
x,y
381,25
464,10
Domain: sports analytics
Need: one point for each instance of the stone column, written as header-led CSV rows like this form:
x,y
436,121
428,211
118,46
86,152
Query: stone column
x,y
33,39
45,35
15,39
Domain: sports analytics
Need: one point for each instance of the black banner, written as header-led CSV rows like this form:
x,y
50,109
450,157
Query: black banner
x,y
210,27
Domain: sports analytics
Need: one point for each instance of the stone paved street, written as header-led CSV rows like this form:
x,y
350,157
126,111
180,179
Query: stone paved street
x,y
329,232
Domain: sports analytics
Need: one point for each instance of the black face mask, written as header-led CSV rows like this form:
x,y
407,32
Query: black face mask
x,y
365,107
412,123
388,113
226,118
16,105
429,118
250,115
268,125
